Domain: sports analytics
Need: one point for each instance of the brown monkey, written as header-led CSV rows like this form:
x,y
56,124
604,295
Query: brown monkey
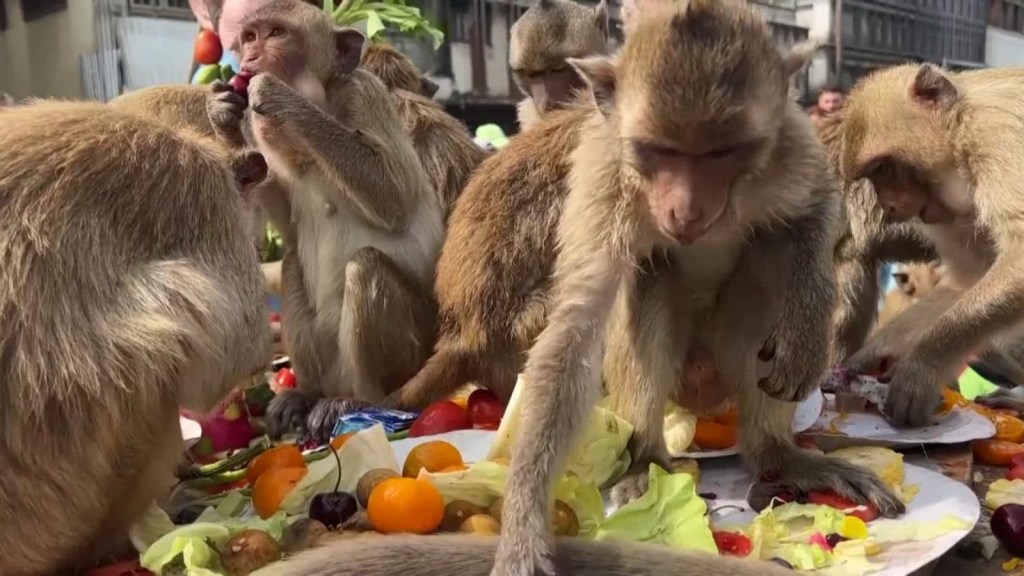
x,y
365,226
443,144
722,173
912,283
541,40
866,240
129,288
938,149
442,555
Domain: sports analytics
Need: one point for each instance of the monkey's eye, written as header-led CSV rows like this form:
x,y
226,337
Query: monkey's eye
x,y
720,153
248,37
277,31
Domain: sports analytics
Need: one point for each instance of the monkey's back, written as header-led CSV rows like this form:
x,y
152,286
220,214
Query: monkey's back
x,y
89,197
177,106
497,259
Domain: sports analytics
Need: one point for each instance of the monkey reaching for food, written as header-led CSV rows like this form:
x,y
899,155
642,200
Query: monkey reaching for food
x,y
723,173
123,298
937,147
365,225
541,40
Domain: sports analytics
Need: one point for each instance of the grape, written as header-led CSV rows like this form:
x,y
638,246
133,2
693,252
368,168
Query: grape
x,y
240,83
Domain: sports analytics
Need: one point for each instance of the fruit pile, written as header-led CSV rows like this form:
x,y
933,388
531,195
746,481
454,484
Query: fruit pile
x,y
481,411
1003,449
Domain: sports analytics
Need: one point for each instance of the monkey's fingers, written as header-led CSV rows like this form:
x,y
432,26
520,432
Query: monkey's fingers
x,y
630,487
806,472
220,86
286,412
910,404
1001,399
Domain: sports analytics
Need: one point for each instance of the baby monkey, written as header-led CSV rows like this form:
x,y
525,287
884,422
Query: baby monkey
x,y
939,149
129,288
693,148
541,40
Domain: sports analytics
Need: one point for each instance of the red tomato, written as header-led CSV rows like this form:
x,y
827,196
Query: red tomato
x,y
284,379
126,568
732,543
208,49
1017,460
484,408
1015,473
275,317
866,512
440,417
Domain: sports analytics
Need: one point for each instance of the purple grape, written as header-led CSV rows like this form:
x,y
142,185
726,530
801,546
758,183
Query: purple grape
x,y
1008,527
333,509
834,539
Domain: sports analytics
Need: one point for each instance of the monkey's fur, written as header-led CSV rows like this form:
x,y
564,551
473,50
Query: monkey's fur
x,y
129,288
866,241
443,144
473,555
765,209
938,148
365,224
541,40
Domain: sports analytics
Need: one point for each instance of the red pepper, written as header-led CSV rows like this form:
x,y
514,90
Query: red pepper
x,y
732,543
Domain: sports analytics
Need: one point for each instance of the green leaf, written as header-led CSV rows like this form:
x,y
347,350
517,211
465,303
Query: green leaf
x,y
374,25
329,6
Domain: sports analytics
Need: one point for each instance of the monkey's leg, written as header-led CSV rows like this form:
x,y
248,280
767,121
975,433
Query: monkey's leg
x,y
290,409
642,368
388,327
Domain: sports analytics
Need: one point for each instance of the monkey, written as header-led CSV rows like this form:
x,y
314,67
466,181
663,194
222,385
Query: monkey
x,y
365,225
866,240
912,283
440,555
443,143
667,121
541,40
937,148
123,298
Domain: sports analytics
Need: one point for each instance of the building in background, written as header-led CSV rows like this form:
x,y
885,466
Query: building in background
x,y
1004,40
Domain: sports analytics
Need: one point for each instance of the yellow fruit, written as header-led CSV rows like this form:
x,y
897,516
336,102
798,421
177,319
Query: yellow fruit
x,y
434,456
887,464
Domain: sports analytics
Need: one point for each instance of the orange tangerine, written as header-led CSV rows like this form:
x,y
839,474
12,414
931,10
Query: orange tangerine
x,y
405,505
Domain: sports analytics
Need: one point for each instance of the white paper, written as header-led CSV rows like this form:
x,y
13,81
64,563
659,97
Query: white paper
x,y
191,431
870,428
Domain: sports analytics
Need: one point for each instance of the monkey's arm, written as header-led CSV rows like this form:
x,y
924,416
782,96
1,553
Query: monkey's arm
x,y
857,283
383,179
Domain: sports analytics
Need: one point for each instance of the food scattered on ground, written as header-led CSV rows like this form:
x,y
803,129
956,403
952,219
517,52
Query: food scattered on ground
x,y
283,456
1008,527
996,452
249,551
406,505
272,487
432,456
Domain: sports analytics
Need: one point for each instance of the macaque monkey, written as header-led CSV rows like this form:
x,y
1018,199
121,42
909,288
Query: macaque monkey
x,y
443,555
443,144
541,40
939,149
723,174
912,283
129,288
866,240
365,225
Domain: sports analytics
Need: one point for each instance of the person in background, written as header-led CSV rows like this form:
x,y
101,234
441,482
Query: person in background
x,y
815,114
830,99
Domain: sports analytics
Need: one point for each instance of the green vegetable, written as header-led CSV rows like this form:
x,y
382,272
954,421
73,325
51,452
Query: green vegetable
x,y
381,14
669,513
208,73
226,73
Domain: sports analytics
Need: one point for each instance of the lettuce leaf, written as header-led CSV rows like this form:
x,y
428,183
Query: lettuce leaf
x,y
1004,491
907,531
669,513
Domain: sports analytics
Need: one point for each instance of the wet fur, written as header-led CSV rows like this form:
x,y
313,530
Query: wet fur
x,y
123,298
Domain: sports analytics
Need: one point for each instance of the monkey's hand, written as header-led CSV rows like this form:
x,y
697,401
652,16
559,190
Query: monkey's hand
x,y
288,411
525,553
799,357
225,110
1003,398
325,413
914,393
271,98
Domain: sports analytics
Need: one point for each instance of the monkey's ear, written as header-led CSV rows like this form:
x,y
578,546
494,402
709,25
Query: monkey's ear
x,y
798,56
601,17
428,87
250,170
598,72
348,45
931,87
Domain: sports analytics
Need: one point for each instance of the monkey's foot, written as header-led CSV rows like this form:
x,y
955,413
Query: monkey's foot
x,y
325,413
286,412
631,486
524,555
803,472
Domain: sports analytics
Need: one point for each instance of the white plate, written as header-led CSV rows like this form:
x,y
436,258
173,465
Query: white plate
x,y
870,428
729,481
190,431
807,413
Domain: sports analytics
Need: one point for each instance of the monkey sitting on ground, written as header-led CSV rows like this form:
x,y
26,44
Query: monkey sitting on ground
x,y
365,225
914,282
541,40
939,150
722,173
866,240
123,298
443,144
443,555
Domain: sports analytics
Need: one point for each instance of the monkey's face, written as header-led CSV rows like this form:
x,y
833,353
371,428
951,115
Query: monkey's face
x,y
905,192
272,46
551,88
700,97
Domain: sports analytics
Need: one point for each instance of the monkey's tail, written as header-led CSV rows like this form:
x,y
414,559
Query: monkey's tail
x,y
473,555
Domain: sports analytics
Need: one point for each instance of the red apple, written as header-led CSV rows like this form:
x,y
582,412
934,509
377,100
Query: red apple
x,y
440,417
484,408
